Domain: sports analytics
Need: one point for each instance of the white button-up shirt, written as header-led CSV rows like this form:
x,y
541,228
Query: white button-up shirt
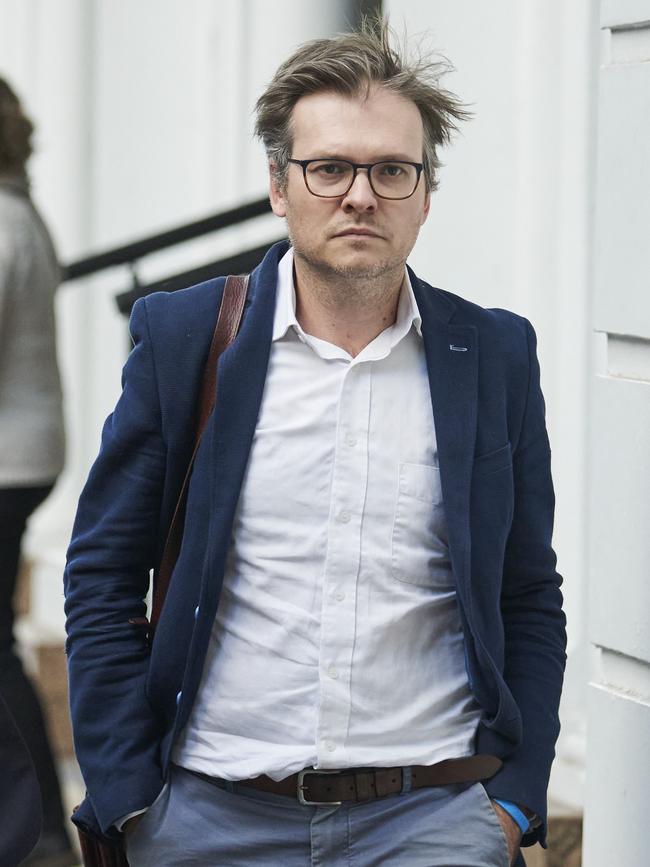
x,y
337,642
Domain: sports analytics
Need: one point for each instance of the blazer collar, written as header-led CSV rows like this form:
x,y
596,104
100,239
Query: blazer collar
x,y
431,301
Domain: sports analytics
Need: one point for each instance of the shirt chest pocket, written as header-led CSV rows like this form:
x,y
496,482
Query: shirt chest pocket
x,y
419,546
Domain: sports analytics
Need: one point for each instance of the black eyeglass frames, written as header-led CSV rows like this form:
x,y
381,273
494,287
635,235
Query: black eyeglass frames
x,y
331,178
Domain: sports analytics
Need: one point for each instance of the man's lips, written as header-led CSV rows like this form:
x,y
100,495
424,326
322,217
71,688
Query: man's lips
x,y
357,232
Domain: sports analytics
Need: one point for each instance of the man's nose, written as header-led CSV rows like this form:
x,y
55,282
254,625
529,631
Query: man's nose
x,y
360,196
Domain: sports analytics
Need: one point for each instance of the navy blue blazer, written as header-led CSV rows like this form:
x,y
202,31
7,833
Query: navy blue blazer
x,y
129,702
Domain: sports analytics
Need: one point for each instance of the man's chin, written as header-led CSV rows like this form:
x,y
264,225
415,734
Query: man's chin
x,y
360,262
348,261
360,267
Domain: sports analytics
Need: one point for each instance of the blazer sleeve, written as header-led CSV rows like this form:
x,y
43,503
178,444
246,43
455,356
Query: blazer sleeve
x,y
106,580
531,607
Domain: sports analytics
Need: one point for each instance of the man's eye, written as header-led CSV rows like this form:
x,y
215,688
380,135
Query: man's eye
x,y
329,169
392,170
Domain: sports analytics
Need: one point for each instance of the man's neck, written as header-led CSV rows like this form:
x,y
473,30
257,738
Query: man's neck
x,y
348,311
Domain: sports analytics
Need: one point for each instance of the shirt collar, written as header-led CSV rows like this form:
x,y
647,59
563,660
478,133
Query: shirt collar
x,y
408,313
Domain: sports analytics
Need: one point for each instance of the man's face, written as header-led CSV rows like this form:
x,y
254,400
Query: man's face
x,y
385,126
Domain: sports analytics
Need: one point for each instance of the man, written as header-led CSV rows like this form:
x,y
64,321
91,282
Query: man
x,y
366,585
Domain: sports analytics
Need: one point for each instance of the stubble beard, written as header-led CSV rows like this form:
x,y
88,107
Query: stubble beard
x,y
353,286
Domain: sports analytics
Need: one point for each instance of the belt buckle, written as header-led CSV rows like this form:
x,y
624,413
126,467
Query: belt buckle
x,y
301,788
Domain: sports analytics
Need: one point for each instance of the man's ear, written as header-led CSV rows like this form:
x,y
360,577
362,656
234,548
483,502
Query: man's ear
x,y
277,193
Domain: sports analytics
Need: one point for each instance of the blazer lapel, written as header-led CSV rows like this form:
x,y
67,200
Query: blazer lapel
x,y
241,374
452,361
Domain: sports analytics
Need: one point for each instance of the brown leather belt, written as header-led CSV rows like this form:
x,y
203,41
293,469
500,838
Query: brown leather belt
x,y
312,787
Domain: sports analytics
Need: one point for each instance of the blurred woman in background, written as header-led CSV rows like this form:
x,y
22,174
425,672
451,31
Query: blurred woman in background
x,y
31,437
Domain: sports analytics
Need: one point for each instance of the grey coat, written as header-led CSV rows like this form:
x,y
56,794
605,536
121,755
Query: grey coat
x,y
31,416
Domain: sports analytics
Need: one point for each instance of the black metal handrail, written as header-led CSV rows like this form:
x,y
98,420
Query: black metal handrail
x,y
240,263
130,254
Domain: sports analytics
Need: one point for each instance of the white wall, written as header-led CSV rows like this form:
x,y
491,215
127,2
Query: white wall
x,y
619,695
511,226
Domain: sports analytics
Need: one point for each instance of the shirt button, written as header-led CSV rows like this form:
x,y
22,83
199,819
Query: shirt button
x,y
350,440
344,517
330,746
339,596
332,672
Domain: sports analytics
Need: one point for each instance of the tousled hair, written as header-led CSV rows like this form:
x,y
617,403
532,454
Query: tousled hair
x,y
350,64
15,132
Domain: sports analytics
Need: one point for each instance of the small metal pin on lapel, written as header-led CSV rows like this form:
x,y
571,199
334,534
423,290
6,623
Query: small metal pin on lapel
x,y
455,348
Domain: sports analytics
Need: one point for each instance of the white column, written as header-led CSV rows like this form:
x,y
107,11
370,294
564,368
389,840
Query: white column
x,y
619,601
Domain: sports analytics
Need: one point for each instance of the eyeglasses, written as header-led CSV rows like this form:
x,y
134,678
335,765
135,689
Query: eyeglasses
x,y
390,179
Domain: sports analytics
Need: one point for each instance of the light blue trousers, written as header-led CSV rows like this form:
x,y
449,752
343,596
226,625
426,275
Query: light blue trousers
x,y
194,822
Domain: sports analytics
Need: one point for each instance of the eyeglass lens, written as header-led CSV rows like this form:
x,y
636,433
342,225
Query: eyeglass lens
x,y
392,180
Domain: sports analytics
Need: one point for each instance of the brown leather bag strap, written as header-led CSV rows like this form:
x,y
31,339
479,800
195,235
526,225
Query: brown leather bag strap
x,y
228,321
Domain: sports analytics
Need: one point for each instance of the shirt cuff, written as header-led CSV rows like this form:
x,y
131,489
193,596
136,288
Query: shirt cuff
x,y
520,818
121,822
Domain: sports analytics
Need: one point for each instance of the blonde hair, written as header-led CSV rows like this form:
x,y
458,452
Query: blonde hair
x,y
350,64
